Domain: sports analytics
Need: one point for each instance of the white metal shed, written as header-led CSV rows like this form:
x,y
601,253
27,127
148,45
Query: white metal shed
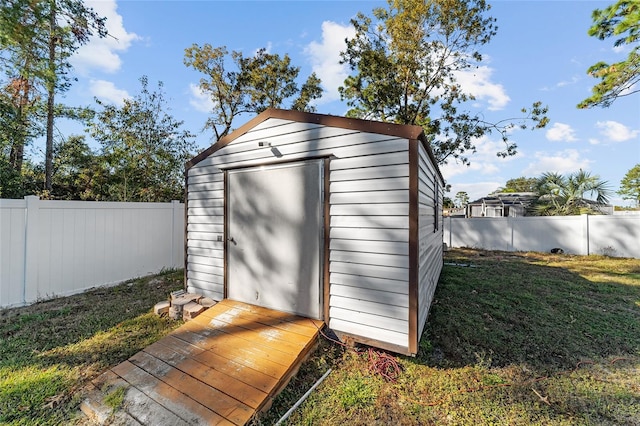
x,y
322,216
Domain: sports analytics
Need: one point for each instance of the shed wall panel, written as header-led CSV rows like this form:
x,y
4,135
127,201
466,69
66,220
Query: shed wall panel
x,y
374,271
370,234
396,261
369,196
205,252
380,296
385,222
371,283
370,185
430,194
376,308
365,329
387,209
383,247
362,318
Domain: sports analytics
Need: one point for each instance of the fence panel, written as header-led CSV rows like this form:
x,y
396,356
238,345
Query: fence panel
x,y
606,234
12,244
56,248
544,233
615,235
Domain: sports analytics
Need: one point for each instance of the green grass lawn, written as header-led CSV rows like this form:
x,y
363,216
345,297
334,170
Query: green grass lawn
x,y
512,338
49,350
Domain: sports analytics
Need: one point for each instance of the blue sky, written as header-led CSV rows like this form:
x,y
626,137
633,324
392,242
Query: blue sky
x,y
541,52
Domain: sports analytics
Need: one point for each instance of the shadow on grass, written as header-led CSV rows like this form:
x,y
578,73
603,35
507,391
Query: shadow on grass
x,y
48,349
510,308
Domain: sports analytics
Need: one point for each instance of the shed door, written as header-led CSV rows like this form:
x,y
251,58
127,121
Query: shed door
x,y
274,237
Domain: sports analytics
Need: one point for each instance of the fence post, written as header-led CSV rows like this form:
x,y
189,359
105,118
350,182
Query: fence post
x,y
31,237
585,234
510,225
176,242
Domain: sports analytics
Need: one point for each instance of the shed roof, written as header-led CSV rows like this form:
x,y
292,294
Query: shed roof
x,y
405,131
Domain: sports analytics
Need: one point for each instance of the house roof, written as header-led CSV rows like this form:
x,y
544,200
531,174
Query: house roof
x,y
405,131
507,198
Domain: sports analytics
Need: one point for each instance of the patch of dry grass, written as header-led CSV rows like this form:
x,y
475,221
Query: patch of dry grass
x,y
518,339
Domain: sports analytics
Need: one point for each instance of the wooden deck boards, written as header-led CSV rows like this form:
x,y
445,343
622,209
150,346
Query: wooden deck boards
x,y
220,368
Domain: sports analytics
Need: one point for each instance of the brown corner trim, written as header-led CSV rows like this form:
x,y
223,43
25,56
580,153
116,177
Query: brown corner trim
x,y
413,246
326,291
225,236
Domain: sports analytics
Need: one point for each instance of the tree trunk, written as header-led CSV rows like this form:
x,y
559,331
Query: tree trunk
x,y
16,156
51,88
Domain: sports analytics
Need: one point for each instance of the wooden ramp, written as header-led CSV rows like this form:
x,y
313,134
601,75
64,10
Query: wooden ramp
x,y
220,368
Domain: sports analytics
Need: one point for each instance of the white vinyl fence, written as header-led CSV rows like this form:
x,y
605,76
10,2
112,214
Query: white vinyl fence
x,y
57,248
611,235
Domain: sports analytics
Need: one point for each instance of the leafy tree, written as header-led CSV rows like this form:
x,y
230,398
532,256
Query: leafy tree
x,y
78,171
566,195
462,198
622,20
37,38
404,62
22,74
448,203
521,184
630,185
248,84
143,148
10,180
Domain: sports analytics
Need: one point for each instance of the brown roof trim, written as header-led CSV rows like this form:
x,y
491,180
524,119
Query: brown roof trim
x,y
427,146
391,129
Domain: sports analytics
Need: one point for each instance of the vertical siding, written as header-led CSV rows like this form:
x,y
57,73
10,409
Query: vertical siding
x,y
12,253
56,248
430,234
369,196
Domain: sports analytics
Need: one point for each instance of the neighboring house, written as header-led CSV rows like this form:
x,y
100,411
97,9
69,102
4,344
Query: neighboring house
x,y
604,209
512,204
327,217
503,204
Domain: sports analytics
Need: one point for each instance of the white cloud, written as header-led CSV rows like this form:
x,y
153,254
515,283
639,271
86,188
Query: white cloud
x,y
199,100
561,132
103,53
620,49
478,83
573,80
325,62
107,91
566,161
484,161
616,132
325,58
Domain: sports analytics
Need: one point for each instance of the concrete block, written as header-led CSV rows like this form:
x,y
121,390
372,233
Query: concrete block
x,y
192,310
161,308
185,298
177,293
207,302
175,312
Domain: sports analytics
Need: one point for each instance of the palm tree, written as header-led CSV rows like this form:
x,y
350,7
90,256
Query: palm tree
x,y
566,195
